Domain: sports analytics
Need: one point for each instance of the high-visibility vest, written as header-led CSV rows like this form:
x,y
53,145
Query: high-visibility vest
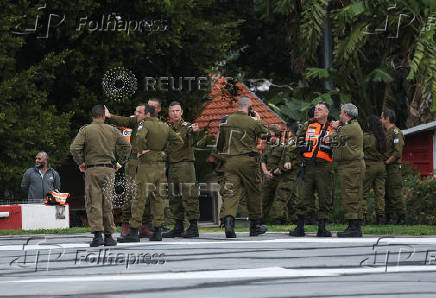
x,y
313,134
126,132
56,198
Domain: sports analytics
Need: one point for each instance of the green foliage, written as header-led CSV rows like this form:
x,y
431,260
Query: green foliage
x,y
420,196
48,85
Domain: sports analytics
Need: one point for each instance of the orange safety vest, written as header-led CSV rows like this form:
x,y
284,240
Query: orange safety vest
x,y
126,132
313,133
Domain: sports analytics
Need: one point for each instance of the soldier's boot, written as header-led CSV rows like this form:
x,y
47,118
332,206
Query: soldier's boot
x,y
299,230
401,220
109,241
322,231
124,229
229,225
379,220
388,220
177,231
256,228
157,234
192,230
97,240
221,223
145,231
353,230
132,236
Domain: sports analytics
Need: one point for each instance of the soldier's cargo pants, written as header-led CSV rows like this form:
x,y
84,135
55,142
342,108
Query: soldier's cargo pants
x,y
268,195
284,205
99,187
131,191
351,175
241,176
183,191
375,176
318,178
394,201
151,186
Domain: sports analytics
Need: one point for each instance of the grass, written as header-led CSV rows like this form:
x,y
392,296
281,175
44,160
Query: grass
x,y
387,230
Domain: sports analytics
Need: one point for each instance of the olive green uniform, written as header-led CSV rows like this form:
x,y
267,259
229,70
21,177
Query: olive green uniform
x,y
96,145
156,136
394,202
183,191
375,174
237,142
130,168
284,206
315,177
271,157
348,153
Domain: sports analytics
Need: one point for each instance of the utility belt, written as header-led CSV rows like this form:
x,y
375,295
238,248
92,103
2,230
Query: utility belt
x,y
102,165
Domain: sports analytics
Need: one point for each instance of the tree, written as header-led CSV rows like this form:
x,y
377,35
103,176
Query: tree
x,y
48,85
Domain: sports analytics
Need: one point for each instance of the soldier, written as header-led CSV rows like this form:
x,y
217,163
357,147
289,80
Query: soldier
x,y
394,201
347,137
183,193
93,150
284,206
130,169
316,172
270,163
152,138
374,147
237,142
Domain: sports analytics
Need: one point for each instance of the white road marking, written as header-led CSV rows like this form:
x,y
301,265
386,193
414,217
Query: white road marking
x,y
266,272
372,241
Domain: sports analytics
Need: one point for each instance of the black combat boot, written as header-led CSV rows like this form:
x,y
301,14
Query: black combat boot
x,y
97,240
132,236
401,220
109,241
229,225
322,232
256,228
176,231
353,230
157,234
299,230
379,220
388,220
145,232
192,231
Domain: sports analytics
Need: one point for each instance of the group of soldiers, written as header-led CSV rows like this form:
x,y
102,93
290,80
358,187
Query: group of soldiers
x,y
298,173
293,172
99,149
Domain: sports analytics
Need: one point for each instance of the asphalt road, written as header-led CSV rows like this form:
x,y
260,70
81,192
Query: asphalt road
x,y
271,265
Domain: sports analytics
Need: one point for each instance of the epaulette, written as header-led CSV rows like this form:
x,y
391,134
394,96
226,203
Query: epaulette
x,y
396,131
184,123
83,126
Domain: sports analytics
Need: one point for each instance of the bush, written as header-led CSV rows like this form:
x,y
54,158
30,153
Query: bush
x,y
420,196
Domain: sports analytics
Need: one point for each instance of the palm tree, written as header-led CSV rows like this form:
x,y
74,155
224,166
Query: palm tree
x,y
383,55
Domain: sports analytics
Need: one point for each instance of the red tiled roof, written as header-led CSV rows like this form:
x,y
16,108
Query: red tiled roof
x,y
223,105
